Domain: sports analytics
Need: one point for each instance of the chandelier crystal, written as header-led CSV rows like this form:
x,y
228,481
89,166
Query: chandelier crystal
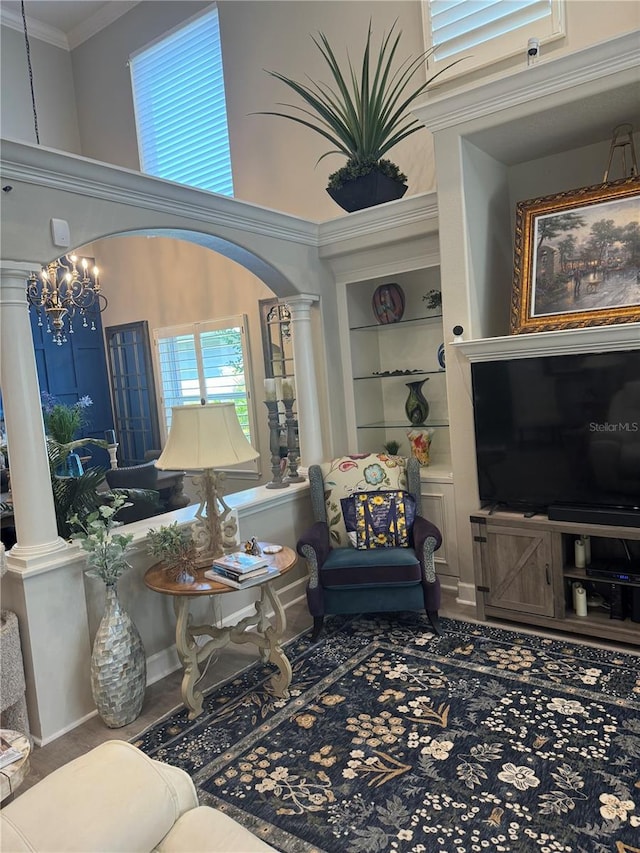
x,y
65,288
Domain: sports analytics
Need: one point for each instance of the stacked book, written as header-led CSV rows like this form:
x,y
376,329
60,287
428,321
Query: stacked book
x,y
241,570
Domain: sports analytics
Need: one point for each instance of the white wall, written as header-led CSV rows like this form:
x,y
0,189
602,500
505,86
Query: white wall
x,y
54,93
171,282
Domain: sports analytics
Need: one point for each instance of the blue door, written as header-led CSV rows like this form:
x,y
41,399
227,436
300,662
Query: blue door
x,y
134,393
76,369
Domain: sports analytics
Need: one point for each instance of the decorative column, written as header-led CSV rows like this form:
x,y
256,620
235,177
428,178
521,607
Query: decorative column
x,y
309,422
33,506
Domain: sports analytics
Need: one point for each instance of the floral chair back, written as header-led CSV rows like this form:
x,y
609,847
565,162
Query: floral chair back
x,y
364,472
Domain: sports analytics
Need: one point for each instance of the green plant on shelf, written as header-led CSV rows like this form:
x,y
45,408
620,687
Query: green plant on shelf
x,y
174,546
391,447
433,299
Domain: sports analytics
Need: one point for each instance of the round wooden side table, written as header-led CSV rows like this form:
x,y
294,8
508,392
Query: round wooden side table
x,y
257,628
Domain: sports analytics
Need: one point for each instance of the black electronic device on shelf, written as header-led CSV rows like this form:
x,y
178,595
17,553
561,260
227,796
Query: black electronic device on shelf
x,y
561,434
614,571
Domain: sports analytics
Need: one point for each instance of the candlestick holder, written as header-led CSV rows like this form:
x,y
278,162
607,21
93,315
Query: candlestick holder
x,y
274,445
293,456
112,450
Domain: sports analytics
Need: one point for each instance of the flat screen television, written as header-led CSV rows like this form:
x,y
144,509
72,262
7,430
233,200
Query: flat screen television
x,y
559,430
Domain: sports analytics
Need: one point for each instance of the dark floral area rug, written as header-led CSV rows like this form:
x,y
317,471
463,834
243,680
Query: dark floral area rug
x,y
396,740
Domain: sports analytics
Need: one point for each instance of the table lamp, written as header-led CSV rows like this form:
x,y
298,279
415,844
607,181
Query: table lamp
x,y
202,438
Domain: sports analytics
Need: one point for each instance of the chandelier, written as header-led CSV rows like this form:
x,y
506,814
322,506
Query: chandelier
x,y
66,288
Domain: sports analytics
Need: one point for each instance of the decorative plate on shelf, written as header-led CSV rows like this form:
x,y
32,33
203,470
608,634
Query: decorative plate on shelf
x,y
395,372
388,303
441,356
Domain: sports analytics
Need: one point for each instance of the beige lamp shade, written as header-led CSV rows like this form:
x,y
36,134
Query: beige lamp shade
x,y
207,436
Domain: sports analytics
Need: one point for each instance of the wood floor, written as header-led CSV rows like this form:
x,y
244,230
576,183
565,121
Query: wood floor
x,y
164,696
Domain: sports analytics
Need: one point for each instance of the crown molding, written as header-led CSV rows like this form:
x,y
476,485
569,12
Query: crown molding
x,y
555,75
105,16
397,219
35,29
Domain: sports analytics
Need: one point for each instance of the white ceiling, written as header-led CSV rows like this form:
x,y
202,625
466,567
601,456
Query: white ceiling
x,y
64,23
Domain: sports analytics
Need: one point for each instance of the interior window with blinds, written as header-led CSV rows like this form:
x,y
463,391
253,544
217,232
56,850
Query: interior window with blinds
x,y
205,362
180,107
485,31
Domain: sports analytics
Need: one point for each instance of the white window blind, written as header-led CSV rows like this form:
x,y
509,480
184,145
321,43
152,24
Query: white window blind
x,y
180,108
490,30
205,361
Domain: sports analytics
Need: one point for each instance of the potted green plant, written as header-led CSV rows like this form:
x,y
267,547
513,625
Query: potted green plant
x,y
61,420
363,117
72,495
392,447
174,545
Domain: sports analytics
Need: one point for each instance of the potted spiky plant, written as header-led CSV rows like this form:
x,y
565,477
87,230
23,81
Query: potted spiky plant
x,y
363,117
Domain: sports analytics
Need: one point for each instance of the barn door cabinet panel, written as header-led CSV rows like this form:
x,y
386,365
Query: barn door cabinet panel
x,y
516,572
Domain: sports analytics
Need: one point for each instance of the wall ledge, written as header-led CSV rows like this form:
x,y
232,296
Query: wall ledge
x,y
246,503
560,342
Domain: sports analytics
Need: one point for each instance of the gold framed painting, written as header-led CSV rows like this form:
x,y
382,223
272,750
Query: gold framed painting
x,y
577,259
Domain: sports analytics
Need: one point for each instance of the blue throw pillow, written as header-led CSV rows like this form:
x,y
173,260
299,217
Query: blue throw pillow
x,y
379,519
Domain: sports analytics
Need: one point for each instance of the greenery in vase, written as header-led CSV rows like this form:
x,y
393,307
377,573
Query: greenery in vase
x,y
63,421
363,115
106,550
173,545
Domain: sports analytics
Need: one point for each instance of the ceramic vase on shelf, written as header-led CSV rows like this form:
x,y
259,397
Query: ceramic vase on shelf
x,y
388,303
416,405
420,444
118,665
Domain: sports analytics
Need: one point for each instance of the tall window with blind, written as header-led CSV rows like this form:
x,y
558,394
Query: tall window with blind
x,y
486,31
180,107
205,362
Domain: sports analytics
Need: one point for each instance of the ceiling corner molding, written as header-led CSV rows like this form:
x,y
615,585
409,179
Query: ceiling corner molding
x,y
35,29
557,74
109,13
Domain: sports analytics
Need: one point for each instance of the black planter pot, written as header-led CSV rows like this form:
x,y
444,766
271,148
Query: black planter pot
x,y
367,191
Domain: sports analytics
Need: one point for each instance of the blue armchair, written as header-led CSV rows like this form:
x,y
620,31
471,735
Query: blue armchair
x,y
385,561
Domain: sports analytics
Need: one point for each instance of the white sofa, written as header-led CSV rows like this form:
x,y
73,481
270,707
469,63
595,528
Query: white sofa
x,y
115,798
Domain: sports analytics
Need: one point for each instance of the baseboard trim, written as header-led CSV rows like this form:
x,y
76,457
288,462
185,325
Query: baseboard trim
x,y
43,741
466,594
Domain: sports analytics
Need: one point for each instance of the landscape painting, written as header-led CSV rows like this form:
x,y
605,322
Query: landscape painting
x,y
578,259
